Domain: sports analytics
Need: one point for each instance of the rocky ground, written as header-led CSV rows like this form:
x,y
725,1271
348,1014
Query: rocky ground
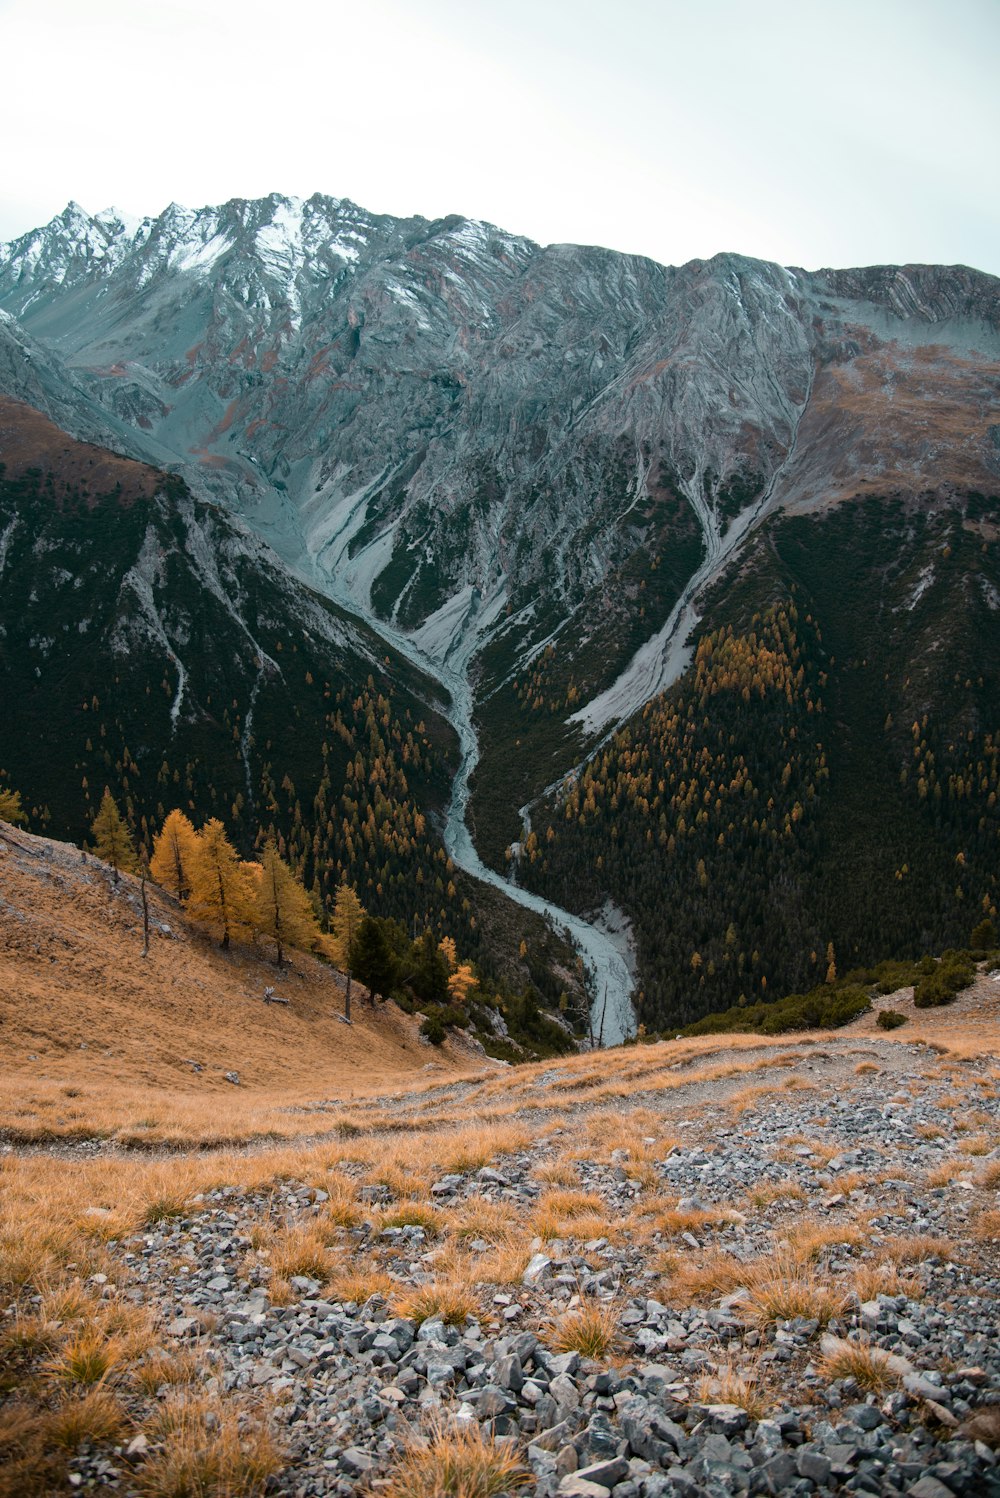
x,y
777,1273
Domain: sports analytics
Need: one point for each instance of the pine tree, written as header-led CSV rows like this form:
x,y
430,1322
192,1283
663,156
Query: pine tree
x,y
221,892
112,840
174,852
373,959
282,911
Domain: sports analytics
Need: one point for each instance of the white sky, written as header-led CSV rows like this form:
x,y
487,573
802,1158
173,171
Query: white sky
x,y
812,132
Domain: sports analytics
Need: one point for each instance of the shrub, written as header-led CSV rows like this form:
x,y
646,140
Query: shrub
x,y
890,1019
954,972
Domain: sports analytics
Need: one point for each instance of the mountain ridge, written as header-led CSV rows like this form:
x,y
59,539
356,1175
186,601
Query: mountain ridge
x,y
525,467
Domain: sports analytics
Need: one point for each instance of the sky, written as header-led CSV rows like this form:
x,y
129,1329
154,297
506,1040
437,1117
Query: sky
x,y
811,132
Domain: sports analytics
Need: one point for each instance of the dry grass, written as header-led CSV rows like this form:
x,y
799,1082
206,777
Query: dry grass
x,y
780,1288
989,1176
741,1385
88,1357
413,1215
137,1018
986,1227
455,1461
359,1284
96,1417
808,1238
870,1367
713,1274
169,1370
204,1449
774,1191
454,1303
299,1251
557,1173
591,1330
496,1223
916,1248
948,1171
869,1280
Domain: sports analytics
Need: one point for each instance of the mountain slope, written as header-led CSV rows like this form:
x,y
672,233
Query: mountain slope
x,y
531,470
149,642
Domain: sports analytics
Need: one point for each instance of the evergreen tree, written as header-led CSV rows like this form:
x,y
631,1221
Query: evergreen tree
x,y
429,976
112,840
373,958
221,892
174,851
282,911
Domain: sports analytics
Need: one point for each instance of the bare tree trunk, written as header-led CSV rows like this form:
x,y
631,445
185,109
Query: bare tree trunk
x,y
347,998
604,1006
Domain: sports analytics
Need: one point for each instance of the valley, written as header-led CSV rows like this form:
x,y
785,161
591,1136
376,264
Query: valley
x,y
719,1264
536,480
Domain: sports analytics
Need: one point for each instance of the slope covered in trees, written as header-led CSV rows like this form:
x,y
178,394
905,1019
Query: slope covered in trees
x,y
151,646
821,788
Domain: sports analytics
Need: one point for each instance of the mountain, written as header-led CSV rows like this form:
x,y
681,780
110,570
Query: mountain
x,y
543,475
152,643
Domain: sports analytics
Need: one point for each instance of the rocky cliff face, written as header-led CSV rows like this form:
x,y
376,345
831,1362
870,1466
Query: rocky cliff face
x,y
497,448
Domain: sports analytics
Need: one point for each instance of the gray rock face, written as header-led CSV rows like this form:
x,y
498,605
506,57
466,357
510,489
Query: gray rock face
x,y
442,411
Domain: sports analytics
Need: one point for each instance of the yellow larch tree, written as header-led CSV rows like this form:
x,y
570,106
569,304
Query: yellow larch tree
x,y
174,852
221,894
282,911
112,839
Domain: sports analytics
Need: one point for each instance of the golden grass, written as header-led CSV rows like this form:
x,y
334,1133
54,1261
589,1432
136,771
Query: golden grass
x,y
774,1191
741,1385
455,1461
781,1288
986,1227
96,1417
557,1173
807,1238
359,1284
914,1248
453,1303
869,1280
869,1366
948,1171
414,1215
591,1330
204,1449
989,1176
299,1251
715,1273
86,1358
495,1223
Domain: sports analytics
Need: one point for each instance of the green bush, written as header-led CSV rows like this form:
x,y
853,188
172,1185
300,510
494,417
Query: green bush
x,y
890,1019
825,1008
432,1028
984,935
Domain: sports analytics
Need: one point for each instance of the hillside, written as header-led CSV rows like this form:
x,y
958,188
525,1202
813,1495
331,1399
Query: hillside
x,y
717,1265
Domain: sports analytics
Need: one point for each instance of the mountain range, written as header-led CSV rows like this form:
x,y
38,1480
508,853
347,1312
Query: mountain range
x,y
724,525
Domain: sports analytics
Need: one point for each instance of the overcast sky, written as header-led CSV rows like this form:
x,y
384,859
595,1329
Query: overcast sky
x,y
812,132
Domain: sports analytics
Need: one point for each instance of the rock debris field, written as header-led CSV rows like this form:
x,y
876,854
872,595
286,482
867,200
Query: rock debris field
x,y
768,1269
